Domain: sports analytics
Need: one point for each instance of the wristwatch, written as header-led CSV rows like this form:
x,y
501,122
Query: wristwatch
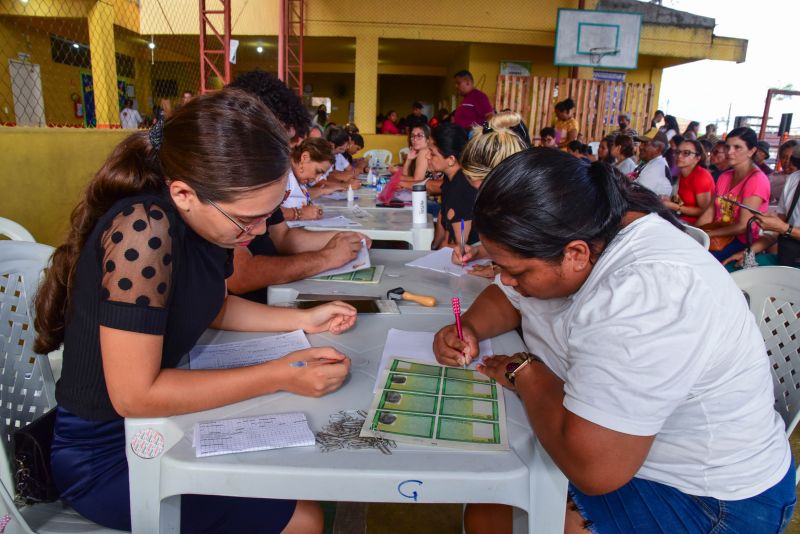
x,y
788,232
523,359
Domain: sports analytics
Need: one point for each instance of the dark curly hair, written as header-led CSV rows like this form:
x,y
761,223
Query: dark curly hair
x,y
282,101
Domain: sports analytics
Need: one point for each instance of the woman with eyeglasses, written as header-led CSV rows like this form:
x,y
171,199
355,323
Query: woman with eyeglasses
x,y
744,183
141,276
695,184
309,160
415,167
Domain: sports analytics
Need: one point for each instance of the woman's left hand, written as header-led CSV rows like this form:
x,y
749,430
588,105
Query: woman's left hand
x,y
670,205
334,317
495,367
770,222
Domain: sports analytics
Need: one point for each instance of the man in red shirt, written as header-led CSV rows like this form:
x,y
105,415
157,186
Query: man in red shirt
x,y
475,107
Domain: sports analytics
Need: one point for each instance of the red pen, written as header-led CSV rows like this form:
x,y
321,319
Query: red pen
x,y
457,312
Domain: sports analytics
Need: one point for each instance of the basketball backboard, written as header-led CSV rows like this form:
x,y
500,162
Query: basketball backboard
x,y
608,39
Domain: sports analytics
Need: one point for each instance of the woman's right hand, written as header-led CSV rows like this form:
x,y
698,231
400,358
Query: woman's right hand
x,y
316,371
738,258
310,212
412,155
450,350
470,253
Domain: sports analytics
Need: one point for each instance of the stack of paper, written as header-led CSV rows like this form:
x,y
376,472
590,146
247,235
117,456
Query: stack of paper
x,y
339,221
430,404
441,261
358,263
419,346
244,353
257,433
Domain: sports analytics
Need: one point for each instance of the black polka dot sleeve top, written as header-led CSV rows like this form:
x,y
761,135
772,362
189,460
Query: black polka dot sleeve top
x,y
141,270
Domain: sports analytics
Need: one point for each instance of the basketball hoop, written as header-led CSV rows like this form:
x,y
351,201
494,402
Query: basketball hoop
x,y
597,54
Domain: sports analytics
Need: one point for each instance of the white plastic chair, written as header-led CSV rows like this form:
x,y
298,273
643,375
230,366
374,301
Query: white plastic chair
x,y
14,231
773,294
378,157
404,153
28,388
698,235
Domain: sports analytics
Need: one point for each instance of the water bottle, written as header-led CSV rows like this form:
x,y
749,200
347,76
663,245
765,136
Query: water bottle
x,y
350,196
419,203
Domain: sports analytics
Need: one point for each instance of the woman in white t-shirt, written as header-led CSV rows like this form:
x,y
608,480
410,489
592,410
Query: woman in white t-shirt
x,y
311,158
653,391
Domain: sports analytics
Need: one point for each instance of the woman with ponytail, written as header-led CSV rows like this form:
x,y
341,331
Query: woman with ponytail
x,y
650,377
141,276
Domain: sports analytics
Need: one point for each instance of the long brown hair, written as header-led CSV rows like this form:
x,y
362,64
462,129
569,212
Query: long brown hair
x,y
220,144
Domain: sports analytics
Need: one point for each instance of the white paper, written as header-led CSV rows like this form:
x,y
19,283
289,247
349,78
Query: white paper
x,y
403,195
257,433
340,221
417,346
441,261
244,353
360,262
336,195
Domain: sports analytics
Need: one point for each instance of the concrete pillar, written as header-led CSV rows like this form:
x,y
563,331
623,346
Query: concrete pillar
x,y
104,65
144,84
366,89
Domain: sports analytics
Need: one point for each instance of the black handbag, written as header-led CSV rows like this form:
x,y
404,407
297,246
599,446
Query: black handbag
x,y
788,248
33,477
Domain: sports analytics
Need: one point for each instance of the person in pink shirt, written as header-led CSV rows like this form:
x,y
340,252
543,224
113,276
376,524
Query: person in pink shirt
x,y
743,183
475,107
390,124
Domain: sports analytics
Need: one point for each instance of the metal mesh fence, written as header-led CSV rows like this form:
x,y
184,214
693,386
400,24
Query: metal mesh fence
x,y
81,63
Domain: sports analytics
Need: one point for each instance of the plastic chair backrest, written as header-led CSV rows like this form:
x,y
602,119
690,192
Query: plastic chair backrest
x,y
378,156
404,153
698,235
26,381
773,294
14,231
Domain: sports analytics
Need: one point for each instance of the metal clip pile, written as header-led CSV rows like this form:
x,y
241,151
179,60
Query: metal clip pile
x,y
342,432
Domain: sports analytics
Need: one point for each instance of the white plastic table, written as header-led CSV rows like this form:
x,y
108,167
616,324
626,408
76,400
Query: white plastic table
x,y
420,281
386,224
524,477
365,197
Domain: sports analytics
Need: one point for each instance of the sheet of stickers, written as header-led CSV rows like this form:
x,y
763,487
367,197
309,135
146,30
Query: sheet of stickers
x,y
430,404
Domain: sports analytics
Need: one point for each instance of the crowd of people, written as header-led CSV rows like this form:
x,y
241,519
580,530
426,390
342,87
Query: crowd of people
x,y
646,377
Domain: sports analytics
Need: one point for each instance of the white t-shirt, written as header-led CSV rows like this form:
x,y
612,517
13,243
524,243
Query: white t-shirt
x,y
626,166
297,198
654,177
785,201
129,118
659,341
341,163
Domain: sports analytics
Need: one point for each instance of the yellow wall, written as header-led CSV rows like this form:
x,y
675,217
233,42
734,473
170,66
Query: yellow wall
x,y
46,172
386,142
338,87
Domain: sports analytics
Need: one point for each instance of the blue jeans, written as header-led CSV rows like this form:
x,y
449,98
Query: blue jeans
x,y
732,248
645,506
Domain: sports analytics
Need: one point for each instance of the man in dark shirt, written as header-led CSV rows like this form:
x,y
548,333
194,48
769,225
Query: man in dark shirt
x,y
417,117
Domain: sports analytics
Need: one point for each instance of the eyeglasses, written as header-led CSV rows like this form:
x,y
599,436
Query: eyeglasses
x,y
686,153
247,228
418,136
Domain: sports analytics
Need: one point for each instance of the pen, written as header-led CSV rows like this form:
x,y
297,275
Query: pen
x,y
462,246
308,197
457,312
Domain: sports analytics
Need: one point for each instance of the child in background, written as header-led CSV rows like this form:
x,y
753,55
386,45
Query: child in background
x,y
565,124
